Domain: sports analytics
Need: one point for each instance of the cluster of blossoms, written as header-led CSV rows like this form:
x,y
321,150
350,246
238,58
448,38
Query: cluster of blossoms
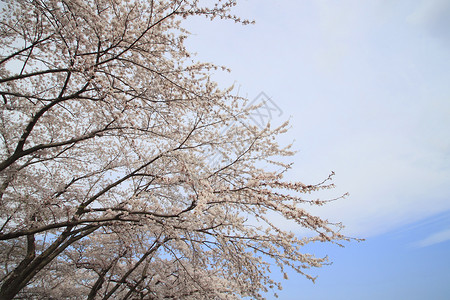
x,y
106,190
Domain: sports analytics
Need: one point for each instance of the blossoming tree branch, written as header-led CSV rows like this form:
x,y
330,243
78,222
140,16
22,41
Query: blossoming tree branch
x,y
106,189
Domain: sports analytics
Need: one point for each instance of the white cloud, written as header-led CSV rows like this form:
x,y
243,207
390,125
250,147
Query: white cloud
x,y
433,15
435,238
368,97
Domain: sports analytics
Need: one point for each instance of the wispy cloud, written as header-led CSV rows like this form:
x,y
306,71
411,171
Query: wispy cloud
x,y
433,16
435,238
366,84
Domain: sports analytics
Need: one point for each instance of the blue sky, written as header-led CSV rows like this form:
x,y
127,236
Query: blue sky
x,y
366,87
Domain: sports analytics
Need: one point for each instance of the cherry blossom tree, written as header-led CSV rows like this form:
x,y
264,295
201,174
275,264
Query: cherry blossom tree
x,y
106,189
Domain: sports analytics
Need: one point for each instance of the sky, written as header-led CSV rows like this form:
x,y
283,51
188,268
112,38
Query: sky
x,y
365,85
